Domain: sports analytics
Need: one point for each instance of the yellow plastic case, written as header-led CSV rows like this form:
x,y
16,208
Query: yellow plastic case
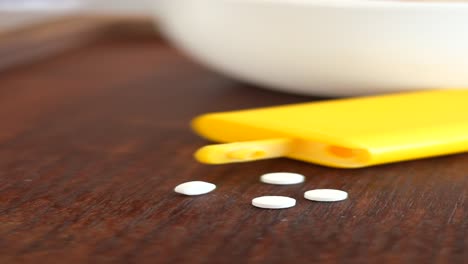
x,y
345,133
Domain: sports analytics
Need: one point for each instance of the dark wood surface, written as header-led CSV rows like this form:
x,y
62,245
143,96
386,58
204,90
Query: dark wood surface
x,y
94,141
39,41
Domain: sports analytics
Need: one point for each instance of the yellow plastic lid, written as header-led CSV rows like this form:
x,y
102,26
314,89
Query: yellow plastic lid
x,y
346,133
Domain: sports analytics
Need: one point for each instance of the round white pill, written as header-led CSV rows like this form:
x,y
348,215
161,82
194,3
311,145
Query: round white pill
x,y
326,195
194,188
282,178
274,202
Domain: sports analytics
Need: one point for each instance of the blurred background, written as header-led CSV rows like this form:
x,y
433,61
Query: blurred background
x,y
15,14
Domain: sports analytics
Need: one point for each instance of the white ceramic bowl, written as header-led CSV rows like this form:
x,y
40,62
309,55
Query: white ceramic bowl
x,y
325,47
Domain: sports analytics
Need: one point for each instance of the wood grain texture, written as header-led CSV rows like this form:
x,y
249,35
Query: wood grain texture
x,y
93,142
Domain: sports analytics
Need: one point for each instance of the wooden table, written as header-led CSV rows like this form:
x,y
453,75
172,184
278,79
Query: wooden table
x,y
93,142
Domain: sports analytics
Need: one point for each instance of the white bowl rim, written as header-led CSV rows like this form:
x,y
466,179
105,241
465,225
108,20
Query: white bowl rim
x,y
401,4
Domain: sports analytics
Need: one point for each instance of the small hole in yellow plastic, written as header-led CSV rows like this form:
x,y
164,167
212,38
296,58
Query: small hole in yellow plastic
x,y
341,152
257,154
246,154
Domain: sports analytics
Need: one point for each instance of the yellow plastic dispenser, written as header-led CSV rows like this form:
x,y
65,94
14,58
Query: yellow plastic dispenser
x,y
346,133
